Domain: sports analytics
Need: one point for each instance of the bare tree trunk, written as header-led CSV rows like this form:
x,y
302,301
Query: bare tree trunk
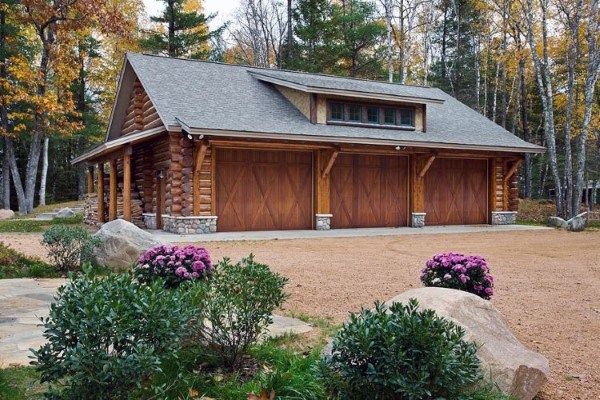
x,y
505,107
44,174
526,130
543,77
388,20
593,69
5,177
495,96
14,170
478,73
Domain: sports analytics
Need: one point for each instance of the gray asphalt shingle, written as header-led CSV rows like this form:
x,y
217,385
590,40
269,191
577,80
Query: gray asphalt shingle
x,y
225,97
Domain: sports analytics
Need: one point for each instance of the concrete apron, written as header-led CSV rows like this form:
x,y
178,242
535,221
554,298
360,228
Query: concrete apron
x,y
167,237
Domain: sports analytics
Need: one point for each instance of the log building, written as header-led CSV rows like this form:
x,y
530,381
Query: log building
x,y
200,147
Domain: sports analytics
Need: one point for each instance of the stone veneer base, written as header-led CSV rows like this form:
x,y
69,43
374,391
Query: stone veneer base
x,y
190,225
504,217
149,220
323,222
417,220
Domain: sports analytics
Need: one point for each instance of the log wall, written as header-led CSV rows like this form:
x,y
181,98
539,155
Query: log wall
x,y
140,114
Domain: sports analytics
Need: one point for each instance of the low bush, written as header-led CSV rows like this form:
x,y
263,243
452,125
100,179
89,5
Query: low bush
x,y
457,271
69,246
72,220
107,335
236,307
174,264
402,353
14,264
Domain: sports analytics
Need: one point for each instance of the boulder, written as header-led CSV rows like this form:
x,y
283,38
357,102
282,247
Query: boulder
x,y
6,214
121,243
577,223
516,370
64,213
557,222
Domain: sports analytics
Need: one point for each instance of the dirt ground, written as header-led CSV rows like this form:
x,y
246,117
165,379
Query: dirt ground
x,y
547,285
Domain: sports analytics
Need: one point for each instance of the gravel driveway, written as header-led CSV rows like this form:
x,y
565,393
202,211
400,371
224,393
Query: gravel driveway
x,y
548,283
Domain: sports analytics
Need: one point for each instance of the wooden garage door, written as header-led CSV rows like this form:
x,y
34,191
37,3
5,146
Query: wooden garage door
x,y
456,192
263,190
369,191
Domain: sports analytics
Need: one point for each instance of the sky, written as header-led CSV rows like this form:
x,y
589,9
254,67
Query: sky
x,y
224,9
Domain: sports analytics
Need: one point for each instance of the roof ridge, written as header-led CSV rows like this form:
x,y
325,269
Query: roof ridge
x,y
282,70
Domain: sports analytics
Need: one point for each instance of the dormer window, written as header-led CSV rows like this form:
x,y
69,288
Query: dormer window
x,y
351,113
336,112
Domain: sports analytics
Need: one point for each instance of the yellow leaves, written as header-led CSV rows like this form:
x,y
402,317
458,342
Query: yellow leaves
x,y
264,395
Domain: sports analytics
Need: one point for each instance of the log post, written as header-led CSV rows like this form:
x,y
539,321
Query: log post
x,y
200,154
417,184
127,183
90,179
101,192
112,190
322,182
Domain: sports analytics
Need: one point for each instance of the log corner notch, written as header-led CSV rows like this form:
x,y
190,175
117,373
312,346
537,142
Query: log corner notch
x,y
200,154
510,186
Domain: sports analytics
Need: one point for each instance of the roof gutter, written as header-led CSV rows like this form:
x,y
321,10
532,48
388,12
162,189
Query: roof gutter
x,y
112,145
344,93
366,141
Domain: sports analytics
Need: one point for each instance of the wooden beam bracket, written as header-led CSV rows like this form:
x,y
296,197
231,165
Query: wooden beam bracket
x,y
200,154
427,165
329,164
513,169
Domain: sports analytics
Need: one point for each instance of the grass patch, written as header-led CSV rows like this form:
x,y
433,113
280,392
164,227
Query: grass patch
x,y
34,225
269,368
14,264
20,383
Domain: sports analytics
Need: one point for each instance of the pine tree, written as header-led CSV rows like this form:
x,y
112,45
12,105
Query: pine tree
x,y
182,31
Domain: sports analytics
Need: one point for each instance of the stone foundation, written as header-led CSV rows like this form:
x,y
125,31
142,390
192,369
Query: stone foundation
x,y
149,220
504,217
417,220
323,222
190,225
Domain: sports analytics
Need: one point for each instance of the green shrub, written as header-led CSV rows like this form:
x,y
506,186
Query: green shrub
x,y
236,307
69,246
108,335
14,264
404,353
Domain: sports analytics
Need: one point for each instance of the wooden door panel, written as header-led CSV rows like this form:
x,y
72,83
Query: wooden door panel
x,y
369,191
456,192
263,190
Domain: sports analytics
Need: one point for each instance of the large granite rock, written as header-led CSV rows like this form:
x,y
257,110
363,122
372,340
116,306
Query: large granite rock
x,y
516,370
577,223
557,222
6,214
121,243
64,213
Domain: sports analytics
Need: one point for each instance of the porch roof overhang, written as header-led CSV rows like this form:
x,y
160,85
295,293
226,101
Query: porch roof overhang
x,y
114,145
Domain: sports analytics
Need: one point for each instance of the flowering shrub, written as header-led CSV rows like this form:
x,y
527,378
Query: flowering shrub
x,y
458,271
173,263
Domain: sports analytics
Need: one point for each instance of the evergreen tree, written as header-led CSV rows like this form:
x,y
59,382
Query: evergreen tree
x,y
186,32
455,33
338,38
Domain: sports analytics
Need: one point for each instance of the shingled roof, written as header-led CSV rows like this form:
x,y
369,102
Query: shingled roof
x,y
226,99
